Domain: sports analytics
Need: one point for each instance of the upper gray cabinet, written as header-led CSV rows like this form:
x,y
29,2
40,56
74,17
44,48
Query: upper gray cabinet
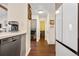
x,y
70,19
3,10
3,15
59,23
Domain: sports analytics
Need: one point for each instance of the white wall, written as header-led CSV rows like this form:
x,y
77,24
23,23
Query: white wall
x,y
69,37
52,36
28,39
70,20
50,31
59,24
38,29
18,12
47,29
62,51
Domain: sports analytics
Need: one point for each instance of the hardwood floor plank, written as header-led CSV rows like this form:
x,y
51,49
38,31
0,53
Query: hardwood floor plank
x,y
42,49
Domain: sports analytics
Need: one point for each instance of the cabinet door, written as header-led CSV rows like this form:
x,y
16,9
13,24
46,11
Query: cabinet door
x,y
59,23
11,48
18,45
70,19
8,49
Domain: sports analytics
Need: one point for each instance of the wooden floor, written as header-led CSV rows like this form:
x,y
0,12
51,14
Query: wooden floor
x,y
42,49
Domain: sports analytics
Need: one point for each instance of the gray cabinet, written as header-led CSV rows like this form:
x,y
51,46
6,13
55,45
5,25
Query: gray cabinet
x,y
10,46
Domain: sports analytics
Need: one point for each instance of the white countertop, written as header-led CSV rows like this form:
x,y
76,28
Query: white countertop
x,y
10,34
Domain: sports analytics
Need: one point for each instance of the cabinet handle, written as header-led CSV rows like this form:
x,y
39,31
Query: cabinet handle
x,y
14,40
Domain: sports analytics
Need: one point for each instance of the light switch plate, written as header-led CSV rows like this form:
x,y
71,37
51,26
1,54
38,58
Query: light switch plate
x,y
70,27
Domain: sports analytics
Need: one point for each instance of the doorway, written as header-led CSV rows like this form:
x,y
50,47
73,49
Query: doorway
x,y
33,30
42,29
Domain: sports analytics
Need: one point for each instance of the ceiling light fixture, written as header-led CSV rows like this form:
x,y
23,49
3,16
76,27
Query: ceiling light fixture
x,y
57,12
40,12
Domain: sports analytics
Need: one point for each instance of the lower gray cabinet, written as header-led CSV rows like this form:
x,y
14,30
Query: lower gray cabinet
x,y
10,46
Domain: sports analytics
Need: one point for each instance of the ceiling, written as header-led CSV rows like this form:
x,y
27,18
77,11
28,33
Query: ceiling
x,y
57,5
48,8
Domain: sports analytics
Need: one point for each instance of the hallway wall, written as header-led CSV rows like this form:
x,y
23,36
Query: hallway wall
x,y
66,30
62,51
28,37
18,12
50,31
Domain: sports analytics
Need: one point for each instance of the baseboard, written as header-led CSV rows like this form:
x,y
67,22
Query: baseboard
x,y
28,51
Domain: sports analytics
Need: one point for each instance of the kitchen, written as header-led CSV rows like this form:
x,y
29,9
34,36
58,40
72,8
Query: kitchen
x,y
13,29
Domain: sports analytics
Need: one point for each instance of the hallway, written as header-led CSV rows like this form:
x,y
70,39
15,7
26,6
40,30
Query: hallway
x,y
42,49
